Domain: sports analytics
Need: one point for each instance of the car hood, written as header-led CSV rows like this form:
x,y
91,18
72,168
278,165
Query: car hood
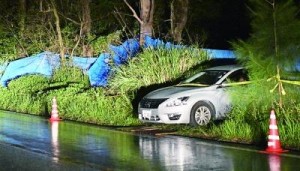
x,y
167,92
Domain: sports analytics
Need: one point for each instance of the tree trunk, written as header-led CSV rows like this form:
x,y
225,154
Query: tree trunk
x,y
58,31
179,14
22,16
86,17
86,26
146,16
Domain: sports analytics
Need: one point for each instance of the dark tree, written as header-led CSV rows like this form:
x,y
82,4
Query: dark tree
x,y
179,15
86,25
146,18
146,15
86,17
22,16
58,30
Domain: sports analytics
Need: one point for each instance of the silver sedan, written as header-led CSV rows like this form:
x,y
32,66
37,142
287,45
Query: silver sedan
x,y
196,101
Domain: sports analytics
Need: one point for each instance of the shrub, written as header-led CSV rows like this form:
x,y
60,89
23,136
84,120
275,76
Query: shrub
x,y
154,66
29,84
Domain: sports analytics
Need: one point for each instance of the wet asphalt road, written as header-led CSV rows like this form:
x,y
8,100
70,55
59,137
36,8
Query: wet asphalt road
x,y
33,143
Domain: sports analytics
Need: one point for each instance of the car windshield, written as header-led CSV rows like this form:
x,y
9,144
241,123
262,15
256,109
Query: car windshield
x,y
204,78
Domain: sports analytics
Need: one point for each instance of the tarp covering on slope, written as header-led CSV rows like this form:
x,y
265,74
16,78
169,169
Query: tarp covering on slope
x,y
157,43
292,68
297,68
212,53
153,43
99,71
123,52
219,54
83,63
42,63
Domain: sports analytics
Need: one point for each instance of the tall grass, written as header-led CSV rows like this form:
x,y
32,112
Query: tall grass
x,y
153,67
93,106
106,106
289,132
232,130
249,118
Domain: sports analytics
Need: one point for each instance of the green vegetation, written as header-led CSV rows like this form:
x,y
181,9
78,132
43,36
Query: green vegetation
x,y
155,67
270,50
269,55
248,122
105,106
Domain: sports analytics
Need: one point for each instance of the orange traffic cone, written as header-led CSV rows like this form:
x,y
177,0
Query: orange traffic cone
x,y
274,145
54,112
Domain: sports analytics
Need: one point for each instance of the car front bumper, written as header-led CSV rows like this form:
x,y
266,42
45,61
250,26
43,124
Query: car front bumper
x,y
167,115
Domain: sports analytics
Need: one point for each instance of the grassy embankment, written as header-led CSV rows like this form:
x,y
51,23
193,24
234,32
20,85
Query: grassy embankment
x,y
104,106
115,104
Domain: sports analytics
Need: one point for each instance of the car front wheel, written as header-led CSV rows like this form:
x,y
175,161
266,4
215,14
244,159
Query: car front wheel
x,y
201,114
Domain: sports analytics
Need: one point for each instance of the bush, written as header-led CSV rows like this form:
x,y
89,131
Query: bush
x,y
153,67
101,44
29,84
252,105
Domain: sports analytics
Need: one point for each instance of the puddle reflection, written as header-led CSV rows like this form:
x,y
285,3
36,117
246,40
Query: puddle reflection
x,y
54,140
274,162
69,143
176,153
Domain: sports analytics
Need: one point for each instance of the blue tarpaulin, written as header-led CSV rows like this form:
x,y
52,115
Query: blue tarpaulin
x,y
157,43
297,66
153,43
42,63
292,68
212,53
83,63
123,52
99,71
219,54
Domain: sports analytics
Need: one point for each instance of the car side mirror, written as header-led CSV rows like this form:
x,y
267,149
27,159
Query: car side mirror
x,y
223,85
220,86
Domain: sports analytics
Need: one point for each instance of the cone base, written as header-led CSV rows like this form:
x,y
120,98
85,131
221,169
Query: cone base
x,y
54,119
274,151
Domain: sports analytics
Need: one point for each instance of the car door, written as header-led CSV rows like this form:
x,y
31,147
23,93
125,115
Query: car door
x,y
237,76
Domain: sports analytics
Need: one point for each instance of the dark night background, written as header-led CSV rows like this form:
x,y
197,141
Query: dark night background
x,y
214,22
222,21
211,23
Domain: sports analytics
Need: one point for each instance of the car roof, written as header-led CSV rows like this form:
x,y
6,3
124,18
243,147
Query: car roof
x,y
225,67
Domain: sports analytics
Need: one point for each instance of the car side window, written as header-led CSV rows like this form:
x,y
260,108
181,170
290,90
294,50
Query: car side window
x,y
237,76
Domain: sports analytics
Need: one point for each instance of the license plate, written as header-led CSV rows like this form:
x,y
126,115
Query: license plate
x,y
146,114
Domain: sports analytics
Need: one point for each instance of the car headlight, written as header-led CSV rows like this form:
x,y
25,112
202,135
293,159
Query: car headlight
x,y
178,102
